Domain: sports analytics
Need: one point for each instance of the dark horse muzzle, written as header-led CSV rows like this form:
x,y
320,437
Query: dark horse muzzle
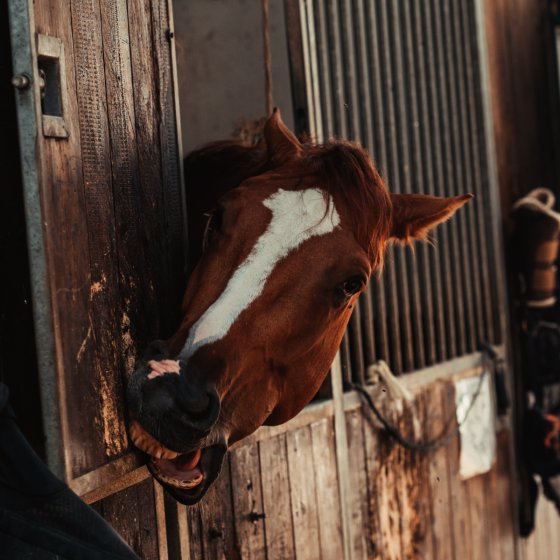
x,y
172,415
177,410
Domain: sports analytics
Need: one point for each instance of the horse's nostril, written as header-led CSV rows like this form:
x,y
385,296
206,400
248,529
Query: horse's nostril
x,y
200,403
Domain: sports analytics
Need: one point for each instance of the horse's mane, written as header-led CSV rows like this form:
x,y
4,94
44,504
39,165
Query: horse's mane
x,y
343,169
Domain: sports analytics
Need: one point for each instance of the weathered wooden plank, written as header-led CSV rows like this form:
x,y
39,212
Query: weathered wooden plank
x,y
382,484
137,318
409,492
358,503
424,541
303,494
217,518
247,502
176,522
373,535
276,498
149,160
173,199
443,519
328,496
64,171
196,535
459,499
478,513
502,510
105,313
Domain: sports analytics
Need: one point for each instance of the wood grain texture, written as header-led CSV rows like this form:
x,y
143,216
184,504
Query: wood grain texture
x,y
462,534
217,519
328,496
65,213
132,513
303,494
276,498
358,505
384,507
247,502
173,200
443,519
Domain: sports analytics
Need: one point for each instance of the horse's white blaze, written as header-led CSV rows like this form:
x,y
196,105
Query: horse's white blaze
x,y
296,217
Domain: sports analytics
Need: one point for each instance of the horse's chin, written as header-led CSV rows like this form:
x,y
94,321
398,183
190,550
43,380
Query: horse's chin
x,y
188,477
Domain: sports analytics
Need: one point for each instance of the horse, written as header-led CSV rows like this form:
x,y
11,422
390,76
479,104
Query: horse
x,y
294,230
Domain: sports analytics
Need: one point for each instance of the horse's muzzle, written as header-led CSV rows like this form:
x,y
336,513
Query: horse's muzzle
x,y
177,409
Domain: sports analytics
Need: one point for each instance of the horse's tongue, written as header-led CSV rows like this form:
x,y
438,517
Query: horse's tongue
x,y
181,467
189,461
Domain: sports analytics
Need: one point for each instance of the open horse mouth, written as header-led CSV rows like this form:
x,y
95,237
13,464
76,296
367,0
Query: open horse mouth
x,y
187,476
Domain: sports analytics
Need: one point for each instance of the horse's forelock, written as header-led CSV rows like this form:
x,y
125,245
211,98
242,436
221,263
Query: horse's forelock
x,y
345,170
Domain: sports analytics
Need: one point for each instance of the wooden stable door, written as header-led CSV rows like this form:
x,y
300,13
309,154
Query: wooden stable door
x,y
95,95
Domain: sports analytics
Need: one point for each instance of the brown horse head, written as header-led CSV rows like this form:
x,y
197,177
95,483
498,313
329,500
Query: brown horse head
x,y
294,234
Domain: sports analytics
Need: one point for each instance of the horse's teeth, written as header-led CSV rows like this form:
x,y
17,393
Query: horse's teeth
x,y
148,444
168,454
187,484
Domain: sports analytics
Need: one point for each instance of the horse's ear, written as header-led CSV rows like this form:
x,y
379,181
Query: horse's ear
x,y
281,143
414,215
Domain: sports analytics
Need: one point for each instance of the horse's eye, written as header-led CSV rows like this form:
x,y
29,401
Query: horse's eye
x,y
350,287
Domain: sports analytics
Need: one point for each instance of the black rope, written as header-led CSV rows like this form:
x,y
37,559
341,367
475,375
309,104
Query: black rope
x,y
444,439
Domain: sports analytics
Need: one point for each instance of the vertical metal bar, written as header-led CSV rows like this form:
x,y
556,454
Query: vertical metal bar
x,y
387,311
356,346
437,352
409,171
345,361
24,57
477,143
377,287
297,66
469,232
437,149
314,86
477,19
496,255
457,186
368,328
403,353
308,76
322,47
445,121
342,459
363,75
337,80
350,76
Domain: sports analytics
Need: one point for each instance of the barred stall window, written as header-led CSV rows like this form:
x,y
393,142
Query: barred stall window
x,y
403,78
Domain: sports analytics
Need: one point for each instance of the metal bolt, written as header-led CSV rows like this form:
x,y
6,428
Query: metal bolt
x,y
255,516
21,81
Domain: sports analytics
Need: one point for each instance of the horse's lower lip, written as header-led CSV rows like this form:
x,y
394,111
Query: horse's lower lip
x,y
182,473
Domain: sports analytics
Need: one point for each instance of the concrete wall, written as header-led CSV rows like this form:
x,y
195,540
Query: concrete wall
x,y
221,67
